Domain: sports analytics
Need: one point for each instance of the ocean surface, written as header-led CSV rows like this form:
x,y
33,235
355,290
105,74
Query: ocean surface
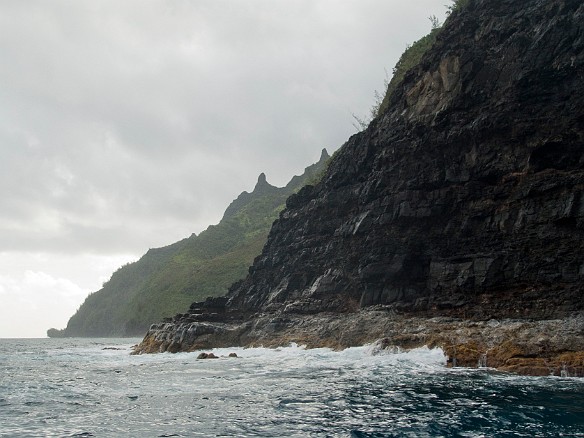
x,y
94,387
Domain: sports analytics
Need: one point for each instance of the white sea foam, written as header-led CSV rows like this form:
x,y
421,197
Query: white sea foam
x,y
65,387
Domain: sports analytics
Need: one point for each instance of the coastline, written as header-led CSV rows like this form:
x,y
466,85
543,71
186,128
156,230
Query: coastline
x,y
521,346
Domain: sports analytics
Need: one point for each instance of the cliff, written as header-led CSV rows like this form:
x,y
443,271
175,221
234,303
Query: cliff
x,y
456,219
167,280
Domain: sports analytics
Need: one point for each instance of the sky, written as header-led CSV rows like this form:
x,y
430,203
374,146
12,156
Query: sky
x,y
130,125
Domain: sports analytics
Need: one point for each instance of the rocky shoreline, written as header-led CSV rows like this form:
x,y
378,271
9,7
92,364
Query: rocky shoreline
x,y
529,347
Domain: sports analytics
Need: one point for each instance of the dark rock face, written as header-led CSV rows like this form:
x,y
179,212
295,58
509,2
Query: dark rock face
x,y
469,188
465,199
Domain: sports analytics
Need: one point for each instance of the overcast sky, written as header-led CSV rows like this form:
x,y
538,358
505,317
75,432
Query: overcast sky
x,y
127,125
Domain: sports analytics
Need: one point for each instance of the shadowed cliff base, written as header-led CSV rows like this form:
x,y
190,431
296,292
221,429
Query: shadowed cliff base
x,y
464,200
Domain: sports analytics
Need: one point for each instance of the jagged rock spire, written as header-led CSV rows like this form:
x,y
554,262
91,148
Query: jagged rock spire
x,y
262,182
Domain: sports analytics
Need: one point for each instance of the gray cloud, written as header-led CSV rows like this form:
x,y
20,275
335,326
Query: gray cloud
x,y
128,125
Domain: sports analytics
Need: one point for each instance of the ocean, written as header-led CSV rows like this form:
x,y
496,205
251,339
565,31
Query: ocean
x,y
94,387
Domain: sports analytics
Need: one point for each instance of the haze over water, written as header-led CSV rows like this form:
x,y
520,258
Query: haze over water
x,y
90,387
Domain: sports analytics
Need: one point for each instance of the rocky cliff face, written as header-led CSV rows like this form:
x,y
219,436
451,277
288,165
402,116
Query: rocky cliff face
x,y
464,200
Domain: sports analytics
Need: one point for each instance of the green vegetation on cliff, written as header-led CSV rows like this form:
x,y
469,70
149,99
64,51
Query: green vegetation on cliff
x,y
165,281
409,59
413,55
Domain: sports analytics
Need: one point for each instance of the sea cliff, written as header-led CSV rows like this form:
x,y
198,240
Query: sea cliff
x,y
456,219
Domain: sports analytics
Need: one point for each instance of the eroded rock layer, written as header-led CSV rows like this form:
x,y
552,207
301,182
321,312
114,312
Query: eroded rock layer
x,y
464,201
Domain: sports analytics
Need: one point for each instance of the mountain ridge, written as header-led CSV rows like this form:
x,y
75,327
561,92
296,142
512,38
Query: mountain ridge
x,y
167,280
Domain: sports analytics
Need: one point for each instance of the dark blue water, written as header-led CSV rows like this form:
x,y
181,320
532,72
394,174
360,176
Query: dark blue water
x,y
60,387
